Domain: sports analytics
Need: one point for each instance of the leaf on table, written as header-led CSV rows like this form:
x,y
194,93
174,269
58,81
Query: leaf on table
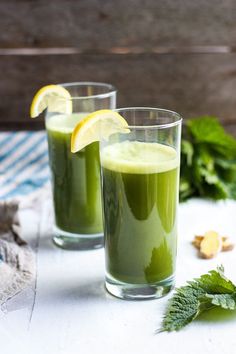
x,y
182,308
225,301
201,294
214,282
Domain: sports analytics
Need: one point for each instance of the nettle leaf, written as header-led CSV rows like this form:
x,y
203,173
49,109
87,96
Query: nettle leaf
x,y
201,294
186,189
232,190
182,309
187,151
214,282
216,191
209,130
226,169
208,160
225,301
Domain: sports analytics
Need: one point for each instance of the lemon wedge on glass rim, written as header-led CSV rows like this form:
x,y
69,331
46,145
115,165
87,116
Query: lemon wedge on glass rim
x,y
53,97
96,126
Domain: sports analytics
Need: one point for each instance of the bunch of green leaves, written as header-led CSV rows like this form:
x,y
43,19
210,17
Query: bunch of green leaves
x,y
209,291
208,160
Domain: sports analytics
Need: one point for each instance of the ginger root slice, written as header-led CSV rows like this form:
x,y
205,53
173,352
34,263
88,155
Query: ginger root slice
x,y
211,245
197,241
224,245
227,245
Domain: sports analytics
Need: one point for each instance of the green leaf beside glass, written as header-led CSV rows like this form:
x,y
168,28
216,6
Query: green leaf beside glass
x,y
188,302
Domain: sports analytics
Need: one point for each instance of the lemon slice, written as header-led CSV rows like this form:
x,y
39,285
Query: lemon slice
x,y
53,97
96,126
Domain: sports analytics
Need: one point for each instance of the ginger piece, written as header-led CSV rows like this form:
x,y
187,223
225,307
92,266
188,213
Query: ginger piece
x,y
211,245
197,241
227,245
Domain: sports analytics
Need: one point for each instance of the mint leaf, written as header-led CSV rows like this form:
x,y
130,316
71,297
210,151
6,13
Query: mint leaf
x,y
201,294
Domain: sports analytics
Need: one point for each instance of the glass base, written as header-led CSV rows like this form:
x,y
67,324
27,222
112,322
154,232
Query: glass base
x,y
71,241
128,291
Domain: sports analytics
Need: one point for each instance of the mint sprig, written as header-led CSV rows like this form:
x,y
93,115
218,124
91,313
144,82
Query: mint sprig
x,y
208,160
209,291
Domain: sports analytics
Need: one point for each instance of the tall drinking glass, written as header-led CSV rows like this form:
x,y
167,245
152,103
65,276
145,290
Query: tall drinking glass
x,y
76,177
140,178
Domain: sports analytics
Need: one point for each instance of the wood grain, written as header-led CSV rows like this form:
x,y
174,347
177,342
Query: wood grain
x,y
98,25
167,53
189,84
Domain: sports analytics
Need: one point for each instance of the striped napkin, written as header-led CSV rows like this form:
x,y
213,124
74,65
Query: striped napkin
x,y
23,163
23,172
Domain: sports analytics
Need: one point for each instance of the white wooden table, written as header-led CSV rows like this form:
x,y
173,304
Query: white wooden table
x,y
68,311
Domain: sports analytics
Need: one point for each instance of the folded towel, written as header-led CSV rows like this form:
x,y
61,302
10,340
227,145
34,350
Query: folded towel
x,y
17,260
23,163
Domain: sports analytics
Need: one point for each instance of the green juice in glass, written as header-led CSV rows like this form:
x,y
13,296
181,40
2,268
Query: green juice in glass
x,y
140,191
75,178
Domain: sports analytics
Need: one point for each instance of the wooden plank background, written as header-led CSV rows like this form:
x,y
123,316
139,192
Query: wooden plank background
x,y
179,55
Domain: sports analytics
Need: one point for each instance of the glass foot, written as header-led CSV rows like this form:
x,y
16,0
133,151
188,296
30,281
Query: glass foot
x,y
71,241
139,291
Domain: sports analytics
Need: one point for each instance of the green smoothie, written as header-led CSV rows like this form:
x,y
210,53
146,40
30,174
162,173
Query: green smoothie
x,y
75,178
140,190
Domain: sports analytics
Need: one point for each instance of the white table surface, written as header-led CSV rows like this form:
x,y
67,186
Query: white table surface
x,y
68,311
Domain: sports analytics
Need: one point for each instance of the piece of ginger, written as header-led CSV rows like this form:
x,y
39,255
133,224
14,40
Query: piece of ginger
x,y
197,241
211,245
227,245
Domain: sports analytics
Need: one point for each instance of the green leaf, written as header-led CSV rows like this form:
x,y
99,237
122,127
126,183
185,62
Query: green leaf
x,y
209,130
226,169
225,301
182,309
232,190
201,294
187,151
205,129
186,189
208,161
216,191
205,178
214,283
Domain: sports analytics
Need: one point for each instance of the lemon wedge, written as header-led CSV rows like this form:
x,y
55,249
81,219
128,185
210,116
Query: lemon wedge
x,y
96,126
53,97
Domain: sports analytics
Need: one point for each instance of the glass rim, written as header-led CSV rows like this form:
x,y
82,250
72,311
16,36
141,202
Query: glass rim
x,y
111,89
176,122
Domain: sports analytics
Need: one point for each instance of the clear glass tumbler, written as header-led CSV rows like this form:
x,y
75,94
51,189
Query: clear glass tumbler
x,y
76,177
140,179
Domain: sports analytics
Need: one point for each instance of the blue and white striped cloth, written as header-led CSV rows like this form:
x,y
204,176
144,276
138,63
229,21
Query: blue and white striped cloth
x,y
23,163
